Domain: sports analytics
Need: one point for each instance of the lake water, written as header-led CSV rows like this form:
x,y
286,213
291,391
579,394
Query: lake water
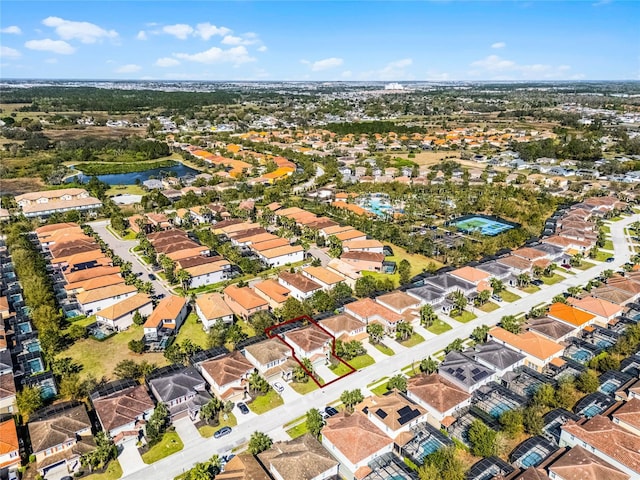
x,y
130,178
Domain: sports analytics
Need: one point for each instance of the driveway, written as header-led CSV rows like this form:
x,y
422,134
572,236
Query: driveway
x,y
186,430
288,394
122,249
373,352
130,459
320,254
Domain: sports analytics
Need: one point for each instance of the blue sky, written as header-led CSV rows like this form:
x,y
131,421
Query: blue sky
x,y
319,40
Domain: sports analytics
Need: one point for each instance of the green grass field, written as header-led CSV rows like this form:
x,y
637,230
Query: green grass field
x,y
304,388
264,403
601,257
553,279
357,363
530,289
207,431
413,340
170,444
298,430
125,189
439,327
464,317
384,349
489,307
192,329
113,472
608,245
380,389
508,296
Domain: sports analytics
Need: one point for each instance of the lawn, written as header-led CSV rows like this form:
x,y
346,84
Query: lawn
x,y
113,472
395,277
464,317
122,189
304,388
553,279
419,263
192,329
380,389
608,245
384,349
601,257
413,340
439,327
246,328
264,403
207,431
357,363
606,229
298,430
530,289
169,445
508,296
99,358
489,307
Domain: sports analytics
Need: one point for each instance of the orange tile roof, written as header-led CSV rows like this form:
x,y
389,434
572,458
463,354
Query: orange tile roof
x,y
8,437
568,314
350,235
168,309
97,282
104,292
272,289
212,305
367,308
280,251
470,274
434,390
245,297
528,342
361,244
207,268
269,244
324,275
124,307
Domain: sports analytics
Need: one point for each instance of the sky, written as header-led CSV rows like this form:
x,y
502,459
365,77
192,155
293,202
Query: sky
x,y
425,40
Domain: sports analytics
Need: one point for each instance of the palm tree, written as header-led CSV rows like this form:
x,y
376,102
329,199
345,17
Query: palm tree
x,y
497,285
428,365
184,277
459,301
482,298
523,280
427,316
404,330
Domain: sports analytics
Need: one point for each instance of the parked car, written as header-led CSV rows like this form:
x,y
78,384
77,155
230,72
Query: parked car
x,y
610,259
496,297
567,266
537,282
330,411
243,408
152,276
278,387
222,432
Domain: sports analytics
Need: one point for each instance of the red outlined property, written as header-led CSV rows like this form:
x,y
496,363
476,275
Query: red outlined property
x,y
311,322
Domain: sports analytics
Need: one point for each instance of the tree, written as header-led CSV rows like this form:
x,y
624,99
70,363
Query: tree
x,y
497,285
532,420
174,353
341,292
314,422
349,350
455,346
459,301
398,382
404,270
157,423
512,423
376,332
483,440
217,334
259,442
576,260
300,375
365,286
258,384
511,324
565,393
211,409
138,319
136,346
479,334
587,381
574,291
291,309
261,320
604,362
321,301
544,396
523,280
429,365
559,299
127,369
404,330
29,399
350,398
104,452
184,277
427,316
482,298
447,463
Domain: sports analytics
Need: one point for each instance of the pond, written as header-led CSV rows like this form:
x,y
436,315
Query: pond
x,y
179,169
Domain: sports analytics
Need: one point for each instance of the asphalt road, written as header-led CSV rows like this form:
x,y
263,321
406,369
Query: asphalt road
x,y
121,248
200,449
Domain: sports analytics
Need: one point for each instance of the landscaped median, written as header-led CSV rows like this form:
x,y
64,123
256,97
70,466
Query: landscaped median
x,y
170,444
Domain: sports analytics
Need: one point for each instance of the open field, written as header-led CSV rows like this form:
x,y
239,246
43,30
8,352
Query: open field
x,y
489,307
125,189
192,329
304,388
413,340
508,296
464,317
18,186
419,263
99,358
555,278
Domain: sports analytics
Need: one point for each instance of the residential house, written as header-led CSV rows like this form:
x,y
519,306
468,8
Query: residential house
x,y
628,416
46,203
571,316
212,308
300,286
303,458
348,271
438,396
393,413
464,372
93,301
398,302
7,390
272,358
166,319
9,446
227,375
605,439
310,342
579,463
345,327
363,261
119,316
612,294
476,276
59,435
367,310
243,301
324,277
4,308
123,407
497,357
603,310
354,441
93,283
279,256
430,295
538,349
273,292
550,328
496,270
181,389
208,273
450,284
243,466
518,265
372,246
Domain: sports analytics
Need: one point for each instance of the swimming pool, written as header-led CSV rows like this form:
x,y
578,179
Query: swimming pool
x,y
604,343
47,390
592,411
380,207
485,226
428,447
581,355
531,459
35,365
33,346
24,327
608,387
499,409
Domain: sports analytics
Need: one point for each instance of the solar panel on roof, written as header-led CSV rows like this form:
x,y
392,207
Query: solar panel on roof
x,y
381,413
408,416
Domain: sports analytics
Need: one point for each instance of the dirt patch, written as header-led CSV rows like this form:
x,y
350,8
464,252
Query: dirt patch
x,y
96,132
18,186
430,158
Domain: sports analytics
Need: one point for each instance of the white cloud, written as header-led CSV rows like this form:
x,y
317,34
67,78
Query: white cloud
x,y
324,64
262,48
12,30
7,52
51,60
48,45
498,45
236,56
206,30
245,39
166,62
497,68
395,70
142,35
129,68
84,31
179,30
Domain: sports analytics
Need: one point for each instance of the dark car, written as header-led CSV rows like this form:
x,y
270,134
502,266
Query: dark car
x,y
330,411
243,408
152,276
222,432
610,259
537,282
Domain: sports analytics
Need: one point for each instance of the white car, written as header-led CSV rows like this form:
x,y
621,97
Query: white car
x,y
278,387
